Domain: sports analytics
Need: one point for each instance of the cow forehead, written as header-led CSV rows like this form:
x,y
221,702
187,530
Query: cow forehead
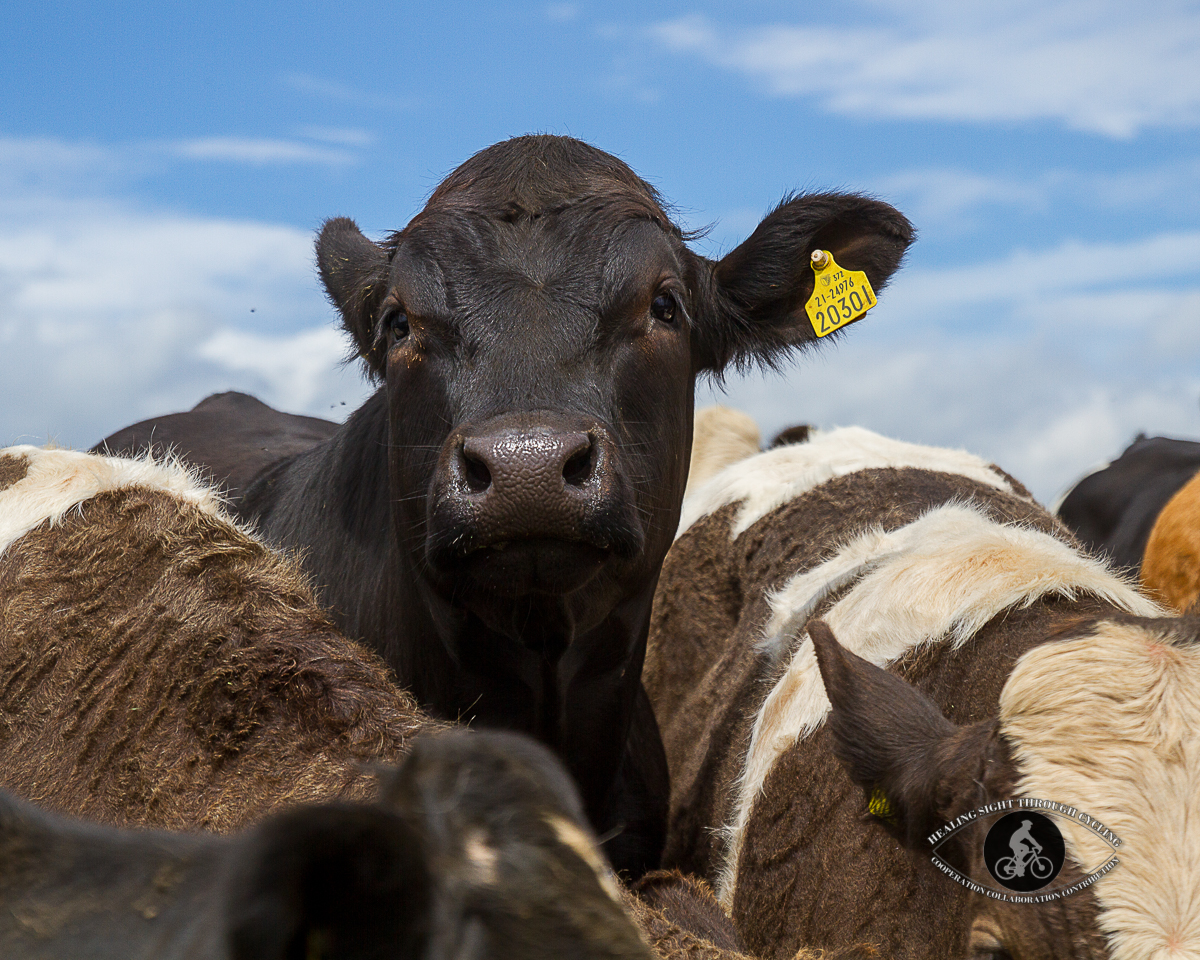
x,y
587,251
1107,723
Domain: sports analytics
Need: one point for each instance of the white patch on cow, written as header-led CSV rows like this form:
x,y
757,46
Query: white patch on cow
x,y
482,859
572,836
57,481
721,437
1107,724
938,579
767,481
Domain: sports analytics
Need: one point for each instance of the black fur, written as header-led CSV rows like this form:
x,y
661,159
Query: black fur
x,y
1113,510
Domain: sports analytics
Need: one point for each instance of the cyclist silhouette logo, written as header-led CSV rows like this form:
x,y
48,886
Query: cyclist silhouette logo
x,y
1024,851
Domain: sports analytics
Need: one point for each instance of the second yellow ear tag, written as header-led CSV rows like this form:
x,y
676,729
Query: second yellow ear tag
x,y
839,295
881,807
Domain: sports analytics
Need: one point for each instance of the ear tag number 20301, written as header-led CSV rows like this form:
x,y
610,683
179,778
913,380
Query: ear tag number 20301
x,y
839,295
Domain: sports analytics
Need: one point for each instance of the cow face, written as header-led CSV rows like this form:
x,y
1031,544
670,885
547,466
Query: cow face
x,y
1101,718
539,327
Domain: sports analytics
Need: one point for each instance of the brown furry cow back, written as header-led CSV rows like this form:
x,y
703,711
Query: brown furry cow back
x,y
159,666
932,564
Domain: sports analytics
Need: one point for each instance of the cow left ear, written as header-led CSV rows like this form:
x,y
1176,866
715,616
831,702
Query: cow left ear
x,y
754,310
332,881
916,768
355,273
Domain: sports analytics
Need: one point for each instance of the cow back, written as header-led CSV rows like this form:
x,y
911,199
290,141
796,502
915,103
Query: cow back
x,y
940,567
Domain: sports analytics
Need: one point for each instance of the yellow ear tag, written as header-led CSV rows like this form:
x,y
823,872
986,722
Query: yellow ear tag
x,y
839,295
879,806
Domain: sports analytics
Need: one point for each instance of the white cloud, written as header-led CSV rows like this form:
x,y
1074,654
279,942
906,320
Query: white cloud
x,y
295,369
344,136
953,199
35,163
562,12
333,91
946,196
109,315
1097,66
258,150
1047,362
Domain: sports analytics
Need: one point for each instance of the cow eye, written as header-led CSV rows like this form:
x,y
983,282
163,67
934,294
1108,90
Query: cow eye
x,y
663,308
398,325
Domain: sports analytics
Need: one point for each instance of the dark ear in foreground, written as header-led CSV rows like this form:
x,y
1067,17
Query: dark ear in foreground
x,y
488,776
917,769
355,272
759,289
339,883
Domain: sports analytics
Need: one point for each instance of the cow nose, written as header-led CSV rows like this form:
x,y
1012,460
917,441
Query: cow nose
x,y
511,481
528,460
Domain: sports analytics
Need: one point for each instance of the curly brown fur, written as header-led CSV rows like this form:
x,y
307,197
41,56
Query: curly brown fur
x,y
12,469
158,666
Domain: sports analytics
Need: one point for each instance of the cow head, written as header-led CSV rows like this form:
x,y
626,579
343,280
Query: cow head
x,y
539,327
1101,719
479,848
518,871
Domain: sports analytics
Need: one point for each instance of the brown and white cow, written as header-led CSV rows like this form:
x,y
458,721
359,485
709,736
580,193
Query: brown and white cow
x,y
1171,565
721,436
938,567
161,666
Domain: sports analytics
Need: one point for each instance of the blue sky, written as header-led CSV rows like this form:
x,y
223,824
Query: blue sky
x,y
162,168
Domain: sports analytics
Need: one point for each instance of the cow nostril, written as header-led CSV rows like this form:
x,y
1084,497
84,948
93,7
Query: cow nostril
x,y
476,472
578,467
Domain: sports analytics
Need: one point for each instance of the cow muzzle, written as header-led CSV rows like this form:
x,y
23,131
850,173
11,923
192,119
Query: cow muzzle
x,y
525,504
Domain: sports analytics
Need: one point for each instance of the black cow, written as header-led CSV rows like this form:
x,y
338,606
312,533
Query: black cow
x,y
1113,510
232,431
494,518
480,850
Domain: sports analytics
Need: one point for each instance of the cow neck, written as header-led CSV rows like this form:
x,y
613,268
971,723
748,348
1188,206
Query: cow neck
x,y
575,690
576,693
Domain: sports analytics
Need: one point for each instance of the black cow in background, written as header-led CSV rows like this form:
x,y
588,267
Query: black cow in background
x,y
493,520
1113,509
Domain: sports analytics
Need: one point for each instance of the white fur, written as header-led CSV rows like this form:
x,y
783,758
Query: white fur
x,y
769,480
938,579
1108,724
59,480
721,436
573,837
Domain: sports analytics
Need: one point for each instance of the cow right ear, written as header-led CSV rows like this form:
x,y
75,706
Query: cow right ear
x,y
916,768
331,882
355,274
752,309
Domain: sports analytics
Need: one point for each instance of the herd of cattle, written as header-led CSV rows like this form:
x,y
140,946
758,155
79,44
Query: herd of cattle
x,y
527,659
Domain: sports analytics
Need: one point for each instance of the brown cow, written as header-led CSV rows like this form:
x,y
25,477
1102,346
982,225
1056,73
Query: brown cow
x,y
939,567
1171,565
